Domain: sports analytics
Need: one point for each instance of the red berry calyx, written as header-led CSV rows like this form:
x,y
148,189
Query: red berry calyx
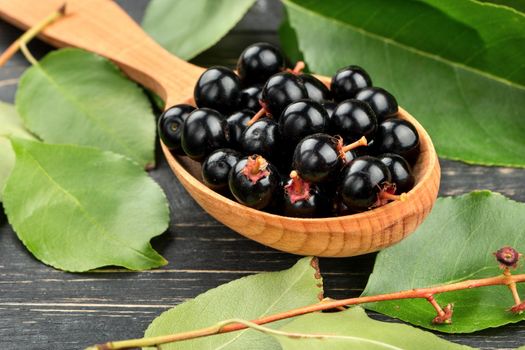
x,y
256,168
445,317
508,257
297,189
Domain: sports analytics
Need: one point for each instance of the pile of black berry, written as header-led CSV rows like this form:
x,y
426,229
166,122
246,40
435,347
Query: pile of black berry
x,y
281,141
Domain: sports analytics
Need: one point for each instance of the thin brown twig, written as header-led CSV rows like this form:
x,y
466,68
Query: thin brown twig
x,y
425,293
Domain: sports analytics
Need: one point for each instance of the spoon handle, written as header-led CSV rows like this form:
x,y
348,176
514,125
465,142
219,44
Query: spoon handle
x,y
101,26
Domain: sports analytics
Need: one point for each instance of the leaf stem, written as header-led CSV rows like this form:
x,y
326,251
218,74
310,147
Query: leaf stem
x,y
227,326
22,41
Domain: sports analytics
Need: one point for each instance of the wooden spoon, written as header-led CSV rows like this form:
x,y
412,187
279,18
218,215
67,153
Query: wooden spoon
x,y
103,27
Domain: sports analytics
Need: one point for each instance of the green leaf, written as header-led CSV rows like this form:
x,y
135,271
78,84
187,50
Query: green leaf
x,y
465,82
289,43
246,298
78,208
455,243
353,329
76,97
10,126
518,5
188,27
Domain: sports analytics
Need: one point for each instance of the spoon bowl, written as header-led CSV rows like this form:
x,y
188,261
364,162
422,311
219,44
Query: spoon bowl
x,y
102,27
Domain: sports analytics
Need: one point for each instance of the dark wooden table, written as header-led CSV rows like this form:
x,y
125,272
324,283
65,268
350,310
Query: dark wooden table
x,y
42,308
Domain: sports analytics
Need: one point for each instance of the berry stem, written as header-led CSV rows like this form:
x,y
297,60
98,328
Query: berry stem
x,y
393,197
299,67
297,184
262,112
443,315
21,42
361,142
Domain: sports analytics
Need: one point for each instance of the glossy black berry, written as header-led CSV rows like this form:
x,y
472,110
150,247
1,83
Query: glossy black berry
x,y
358,193
303,199
263,138
353,119
300,119
362,182
329,106
237,123
382,102
281,90
258,62
400,171
316,90
397,136
254,182
348,81
218,88
376,170
203,132
316,158
170,126
249,98
216,168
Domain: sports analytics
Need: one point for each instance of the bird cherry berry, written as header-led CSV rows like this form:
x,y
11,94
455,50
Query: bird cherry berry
x,y
216,168
237,123
300,119
254,182
316,90
203,132
303,199
400,170
397,136
352,119
249,98
318,157
258,62
218,88
382,102
366,183
348,81
170,126
262,138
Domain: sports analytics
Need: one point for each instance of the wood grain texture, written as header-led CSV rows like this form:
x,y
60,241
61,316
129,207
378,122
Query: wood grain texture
x,y
41,308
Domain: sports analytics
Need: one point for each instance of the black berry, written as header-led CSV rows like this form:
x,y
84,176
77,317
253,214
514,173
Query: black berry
x,y
203,133
281,90
300,119
303,199
263,138
353,119
382,102
258,62
348,81
237,123
216,168
400,170
317,158
253,182
365,183
249,98
218,88
397,136
170,126
316,90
